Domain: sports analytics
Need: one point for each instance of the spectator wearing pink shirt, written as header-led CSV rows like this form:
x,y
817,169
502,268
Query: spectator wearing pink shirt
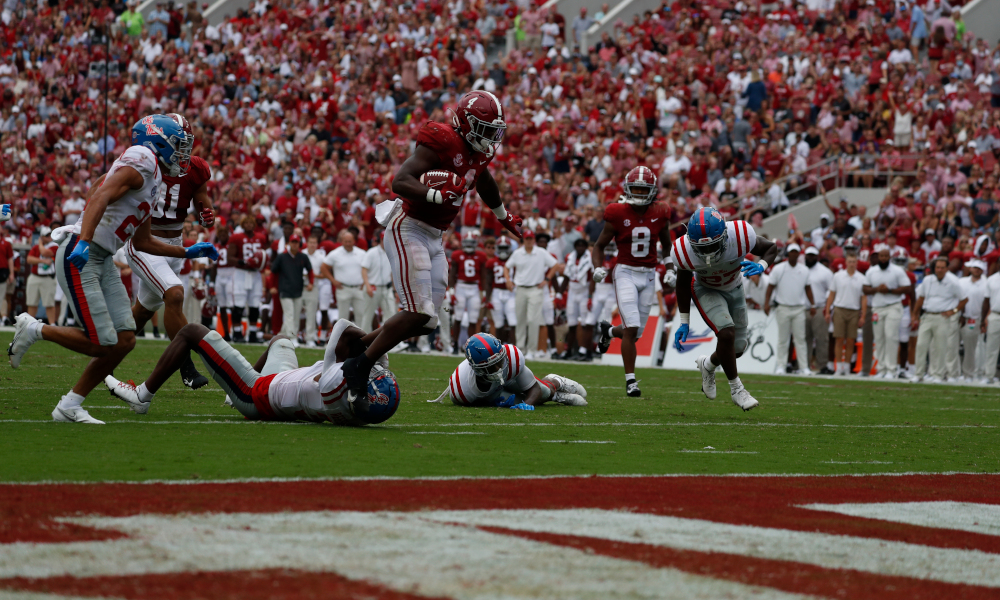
x,y
951,176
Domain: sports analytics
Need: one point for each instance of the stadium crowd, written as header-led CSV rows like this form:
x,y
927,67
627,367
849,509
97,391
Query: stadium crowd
x,y
304,110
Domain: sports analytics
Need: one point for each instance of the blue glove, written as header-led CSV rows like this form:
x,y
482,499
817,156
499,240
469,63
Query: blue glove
x,y
751,268
507,402
80,255
4,212
202,250
681,335
523,406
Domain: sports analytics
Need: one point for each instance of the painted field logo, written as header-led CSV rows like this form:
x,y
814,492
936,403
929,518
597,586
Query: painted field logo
x,y
894,538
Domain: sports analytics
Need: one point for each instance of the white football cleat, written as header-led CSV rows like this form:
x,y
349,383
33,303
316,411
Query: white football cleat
x,y
24,337
707,377
565,384
744,400
127,392
932,379
74,415
569,399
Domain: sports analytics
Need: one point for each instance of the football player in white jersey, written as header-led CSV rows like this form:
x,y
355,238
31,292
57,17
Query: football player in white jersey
x,y
579,271
275,388
495,374
711,259
118,211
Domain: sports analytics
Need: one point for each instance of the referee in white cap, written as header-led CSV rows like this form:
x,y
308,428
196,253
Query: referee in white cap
x,y
940,302
789,285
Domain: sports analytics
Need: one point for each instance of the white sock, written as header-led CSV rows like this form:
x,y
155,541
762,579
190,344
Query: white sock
x,y
735,384
71,400
581,350
629,377
144,394
35,329
711,365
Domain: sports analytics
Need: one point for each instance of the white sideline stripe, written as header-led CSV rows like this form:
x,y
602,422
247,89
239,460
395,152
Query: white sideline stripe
x,y
857,462
12,595
963,516
414,553
480,477
577,442
715,452
446,432
869,555
214,421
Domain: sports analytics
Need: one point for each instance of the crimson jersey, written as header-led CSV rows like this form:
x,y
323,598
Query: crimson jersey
x,y
247,245
176,193
468,266
636,235
224,261
455,155
496,266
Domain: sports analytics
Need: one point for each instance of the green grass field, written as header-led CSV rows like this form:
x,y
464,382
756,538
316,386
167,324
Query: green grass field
x,y
813,425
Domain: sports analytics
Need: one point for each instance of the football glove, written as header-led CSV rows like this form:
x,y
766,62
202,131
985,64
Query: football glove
x,y
80,255
599,274
751,268
523,406
202,250
507,402
513,224
681,335
207,218
4,212
670,278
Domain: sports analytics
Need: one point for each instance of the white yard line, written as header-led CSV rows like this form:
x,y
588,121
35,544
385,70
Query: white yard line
x,y
963,516
577,442
414,553
715,452
446,433
829,551
857,462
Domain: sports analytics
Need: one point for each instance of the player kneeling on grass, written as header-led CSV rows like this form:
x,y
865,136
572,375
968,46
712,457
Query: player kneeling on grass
x,y
275,388
494,374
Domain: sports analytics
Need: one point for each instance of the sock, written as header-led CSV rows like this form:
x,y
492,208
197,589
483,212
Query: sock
x,y
35,329
735,384
144,394
547,388
629,377
582,351
156,330
711,365
71,400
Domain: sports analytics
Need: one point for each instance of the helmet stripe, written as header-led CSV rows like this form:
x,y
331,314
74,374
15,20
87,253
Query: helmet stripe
x,y
497,102
701,215
483,341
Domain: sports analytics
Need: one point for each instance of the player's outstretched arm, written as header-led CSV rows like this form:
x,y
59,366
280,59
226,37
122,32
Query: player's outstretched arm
x,y
766,250
120,183
406,183
489,191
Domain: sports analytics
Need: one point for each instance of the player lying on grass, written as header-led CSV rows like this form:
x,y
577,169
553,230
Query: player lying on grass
x,y
275,388
494,374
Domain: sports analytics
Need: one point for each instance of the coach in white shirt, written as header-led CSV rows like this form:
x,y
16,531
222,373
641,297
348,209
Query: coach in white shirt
x,y
377,274
940,302
991,327
532,266
789,285
343,268
817,327
975,289
849,304
311,297
887,284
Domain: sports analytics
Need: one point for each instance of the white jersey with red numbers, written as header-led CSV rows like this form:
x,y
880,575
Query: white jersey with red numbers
x,y
464,390
579,269
317,393
637,234
467,266
726,274
124,216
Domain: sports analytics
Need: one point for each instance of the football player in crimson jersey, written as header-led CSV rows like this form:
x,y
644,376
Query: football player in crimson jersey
x,y
503,318
224,273
635,223
468,278
248,253
414,226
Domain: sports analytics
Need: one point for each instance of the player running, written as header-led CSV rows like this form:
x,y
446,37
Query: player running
x,y
495,374
468,278
501,304
275,388
414,225
117,213
635,224
716,251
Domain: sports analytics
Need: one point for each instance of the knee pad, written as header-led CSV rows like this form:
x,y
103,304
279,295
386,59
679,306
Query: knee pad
x,y
740,346
212,336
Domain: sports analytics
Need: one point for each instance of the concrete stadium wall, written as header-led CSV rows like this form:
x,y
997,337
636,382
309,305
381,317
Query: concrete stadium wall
x,y
982,19
623,11
807,213
215,13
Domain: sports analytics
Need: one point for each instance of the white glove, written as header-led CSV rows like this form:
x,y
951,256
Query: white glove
x,y
4,212
670,278
599,274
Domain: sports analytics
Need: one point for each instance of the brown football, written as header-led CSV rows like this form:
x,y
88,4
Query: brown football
x,y
437,179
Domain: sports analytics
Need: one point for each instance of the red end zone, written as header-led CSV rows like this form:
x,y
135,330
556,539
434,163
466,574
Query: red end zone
x,y
31,520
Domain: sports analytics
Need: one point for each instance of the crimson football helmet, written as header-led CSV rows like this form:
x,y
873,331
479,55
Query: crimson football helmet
x,y
851,245
479,119
504,248
186,147
469,243
640,187
899,256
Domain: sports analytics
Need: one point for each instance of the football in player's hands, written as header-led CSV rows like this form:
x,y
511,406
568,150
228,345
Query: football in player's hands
x,y
445,186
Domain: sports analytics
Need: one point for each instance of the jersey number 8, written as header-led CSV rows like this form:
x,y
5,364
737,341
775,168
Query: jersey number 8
x,y
640,242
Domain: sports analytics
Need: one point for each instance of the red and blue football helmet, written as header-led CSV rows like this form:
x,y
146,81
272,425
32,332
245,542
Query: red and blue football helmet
x,y
381,397
708,234
486,355
168,140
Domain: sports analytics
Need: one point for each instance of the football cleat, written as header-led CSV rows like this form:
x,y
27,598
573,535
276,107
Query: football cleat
x,y
569,399
127,392
605,341
744,400
191,377
565,384
74,415
632,389
23,339
707,377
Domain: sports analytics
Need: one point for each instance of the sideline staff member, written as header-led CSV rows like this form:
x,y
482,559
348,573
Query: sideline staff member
x,y
532,266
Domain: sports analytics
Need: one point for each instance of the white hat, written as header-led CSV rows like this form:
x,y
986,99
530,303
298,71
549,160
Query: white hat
x,y
16,109
812,250
793,248
231,77
971,263
880,247
824,216
89,134
47,231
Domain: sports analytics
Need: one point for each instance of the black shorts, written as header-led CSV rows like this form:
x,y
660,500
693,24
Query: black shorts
x,y
4,274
